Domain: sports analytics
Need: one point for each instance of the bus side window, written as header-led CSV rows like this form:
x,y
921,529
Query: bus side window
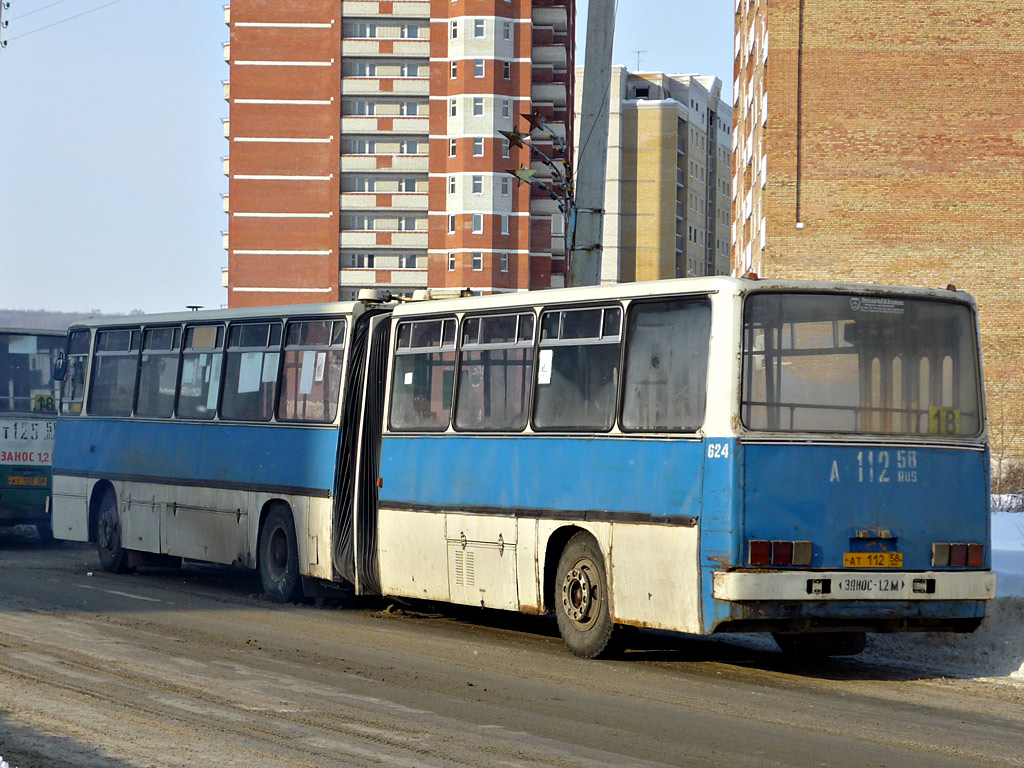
x,y
250,371
114,368
72,390
314,355
200,372
495,373
578,369
421,390
666,365
158,372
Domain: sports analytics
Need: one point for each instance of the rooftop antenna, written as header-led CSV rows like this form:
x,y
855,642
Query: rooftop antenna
x,y
638,53
194,307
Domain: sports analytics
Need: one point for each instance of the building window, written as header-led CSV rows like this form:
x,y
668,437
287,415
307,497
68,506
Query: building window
x,y
451,185
407,147
478,223
363,184
409,108
362,260
478,67
363,147
478,106
364,30
504,224
410,70
451,224
363,223
451,147
407,185
478,185
506,70
478,261
506,30
455,30
363,108
455,69
366,69
407,224
506,186
478,27
504,262
411,31
506,108
451,262
452,109
407,261
478,147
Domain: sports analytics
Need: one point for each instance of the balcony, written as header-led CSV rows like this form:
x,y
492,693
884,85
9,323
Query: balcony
x,y
227,51
227,89
225,165
551,17
227,15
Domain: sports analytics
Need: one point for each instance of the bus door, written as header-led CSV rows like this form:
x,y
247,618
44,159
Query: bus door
x,y
358,465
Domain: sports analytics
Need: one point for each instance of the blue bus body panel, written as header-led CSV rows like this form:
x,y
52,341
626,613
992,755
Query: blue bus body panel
x,y
290,459
660,478
826,494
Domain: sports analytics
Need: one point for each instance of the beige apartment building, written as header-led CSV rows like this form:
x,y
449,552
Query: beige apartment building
x,y
667,191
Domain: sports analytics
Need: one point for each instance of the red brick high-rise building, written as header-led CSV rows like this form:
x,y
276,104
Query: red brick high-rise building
x,y
882,142
364,145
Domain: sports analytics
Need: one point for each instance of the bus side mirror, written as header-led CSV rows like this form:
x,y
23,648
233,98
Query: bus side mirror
x,y
60,367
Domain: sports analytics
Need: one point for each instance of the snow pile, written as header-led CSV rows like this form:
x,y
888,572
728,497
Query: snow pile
x,y
996,649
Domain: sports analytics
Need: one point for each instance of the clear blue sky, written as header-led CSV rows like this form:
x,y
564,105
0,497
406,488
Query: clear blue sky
x,y
111,140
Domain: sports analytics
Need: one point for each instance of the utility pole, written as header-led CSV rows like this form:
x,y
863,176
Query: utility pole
x,y
592,157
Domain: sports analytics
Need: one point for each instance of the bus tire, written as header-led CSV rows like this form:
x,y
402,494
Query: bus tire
x,y
819,645
44,532
113,555
279,558
581,599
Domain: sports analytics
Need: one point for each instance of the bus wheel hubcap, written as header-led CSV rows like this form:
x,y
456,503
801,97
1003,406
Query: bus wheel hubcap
x,y
579,598
108,531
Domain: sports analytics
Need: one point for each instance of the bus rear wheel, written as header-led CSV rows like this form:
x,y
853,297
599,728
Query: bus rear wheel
x,y
113,556
581,601
818,645
279,558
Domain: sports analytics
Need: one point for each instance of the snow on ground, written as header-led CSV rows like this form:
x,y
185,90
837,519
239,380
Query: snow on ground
x,y
996,650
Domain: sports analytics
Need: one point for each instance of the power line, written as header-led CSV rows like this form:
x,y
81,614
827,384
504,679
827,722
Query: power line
x,y
37,10
69,18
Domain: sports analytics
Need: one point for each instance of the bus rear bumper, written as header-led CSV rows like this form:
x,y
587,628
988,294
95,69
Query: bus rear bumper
x,y
742,586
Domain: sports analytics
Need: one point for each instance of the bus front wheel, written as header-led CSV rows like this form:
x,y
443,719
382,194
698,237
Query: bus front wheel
x,y
113,556
581,601
279,558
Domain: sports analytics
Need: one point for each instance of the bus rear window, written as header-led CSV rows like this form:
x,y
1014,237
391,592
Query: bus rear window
x,y
859,364
26,372
314,356
422,390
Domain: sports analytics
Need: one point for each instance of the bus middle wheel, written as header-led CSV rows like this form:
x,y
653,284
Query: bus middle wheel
x,y
113,555
279,558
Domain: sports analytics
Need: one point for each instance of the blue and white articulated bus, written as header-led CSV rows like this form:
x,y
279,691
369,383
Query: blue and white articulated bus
x,y
704,455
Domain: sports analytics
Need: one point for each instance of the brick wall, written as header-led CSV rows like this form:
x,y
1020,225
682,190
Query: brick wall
x,y
911,171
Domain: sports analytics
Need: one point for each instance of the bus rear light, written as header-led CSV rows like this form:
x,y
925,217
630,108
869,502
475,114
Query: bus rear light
x,y
958,555
782,553
760,552
975,555
940,554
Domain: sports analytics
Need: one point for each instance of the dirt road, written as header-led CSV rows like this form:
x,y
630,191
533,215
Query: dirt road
x,y
193,668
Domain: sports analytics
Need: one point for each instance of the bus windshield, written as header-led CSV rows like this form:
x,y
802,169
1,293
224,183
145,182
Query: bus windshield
x,y
26,372
859,364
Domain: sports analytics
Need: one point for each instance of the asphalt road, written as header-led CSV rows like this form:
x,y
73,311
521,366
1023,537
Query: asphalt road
x,y
193,667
